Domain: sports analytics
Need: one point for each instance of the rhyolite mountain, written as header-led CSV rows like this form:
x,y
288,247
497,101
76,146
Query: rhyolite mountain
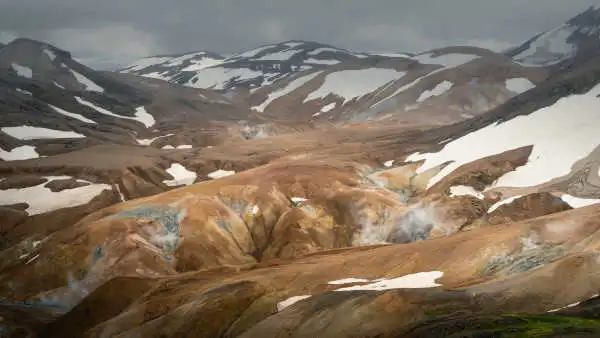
x,y
454,192
302,80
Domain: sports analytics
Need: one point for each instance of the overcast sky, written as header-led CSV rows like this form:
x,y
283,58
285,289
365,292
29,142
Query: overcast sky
x,y
105,33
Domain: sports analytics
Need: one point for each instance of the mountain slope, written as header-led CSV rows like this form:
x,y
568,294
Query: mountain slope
x,y
261,66
73,140
310,81
91,107
173,68
303,81
449,84
576,39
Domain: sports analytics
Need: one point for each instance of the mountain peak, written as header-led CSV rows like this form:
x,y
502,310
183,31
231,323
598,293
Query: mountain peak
x,y
26,45
589,18
579,37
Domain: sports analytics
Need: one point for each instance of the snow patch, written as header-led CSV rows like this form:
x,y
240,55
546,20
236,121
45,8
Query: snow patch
x,y
391,55
414,281
325,109
549,48
218,77
389,163
35,133
450,60
565,307
205,62
220,173
72,115
22,70
87,83
465,190
283,55
570,133
22,91
252,53
42,200
144,63
180,175
121,195
292,86
140,113
179,60
329,107
19,153
50,54
322,62
577,202
158,76
32,259
351,84
144,117
183,146
322,50
148,141
438,90
519,85
348,281
503,202
290,301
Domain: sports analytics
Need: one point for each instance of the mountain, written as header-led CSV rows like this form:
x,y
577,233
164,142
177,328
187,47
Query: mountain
x,y
311,81
576,39
244,213
450,84
250,69
53,104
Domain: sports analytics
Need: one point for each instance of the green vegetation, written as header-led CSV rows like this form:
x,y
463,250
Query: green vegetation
x,y
462,324
544,326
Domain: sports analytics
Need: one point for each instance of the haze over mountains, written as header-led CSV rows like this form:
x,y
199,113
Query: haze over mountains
x,y
273,192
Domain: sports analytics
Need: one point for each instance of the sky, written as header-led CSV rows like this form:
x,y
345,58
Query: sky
x,y
109,33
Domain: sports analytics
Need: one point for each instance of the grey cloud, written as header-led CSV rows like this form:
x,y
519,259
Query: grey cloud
x,y
118,31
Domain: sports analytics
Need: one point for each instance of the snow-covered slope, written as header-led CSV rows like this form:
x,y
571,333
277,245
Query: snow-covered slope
x,y
568,134
51,104
48,98
251,69
322,82
316,81
558,121
449,84
173,68
580,36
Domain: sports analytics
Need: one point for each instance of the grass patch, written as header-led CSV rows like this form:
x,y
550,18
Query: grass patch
x,y
544,326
